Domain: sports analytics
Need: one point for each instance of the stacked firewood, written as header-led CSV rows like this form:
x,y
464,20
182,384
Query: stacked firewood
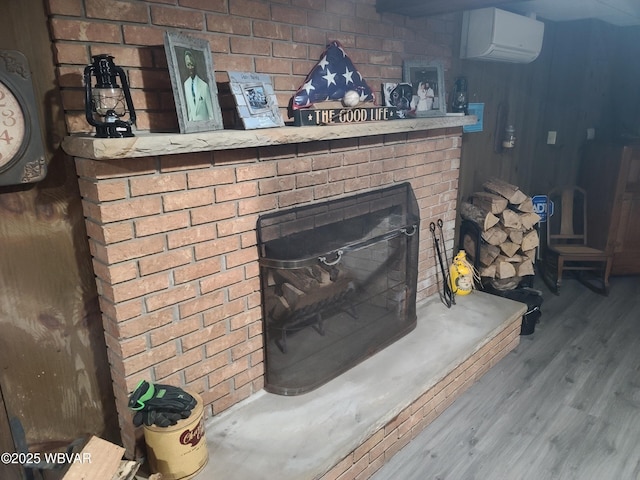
x,y
506,218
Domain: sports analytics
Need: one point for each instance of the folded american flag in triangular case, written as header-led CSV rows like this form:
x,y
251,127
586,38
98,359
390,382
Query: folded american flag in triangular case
x,y
330,79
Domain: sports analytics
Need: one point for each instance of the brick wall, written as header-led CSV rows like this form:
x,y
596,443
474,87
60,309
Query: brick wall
x,y
282,38
173,237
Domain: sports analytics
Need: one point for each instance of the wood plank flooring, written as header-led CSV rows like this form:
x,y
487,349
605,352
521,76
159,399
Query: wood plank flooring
x,y
565,404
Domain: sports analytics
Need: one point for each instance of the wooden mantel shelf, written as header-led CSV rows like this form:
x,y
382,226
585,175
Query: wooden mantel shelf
x,y
152,144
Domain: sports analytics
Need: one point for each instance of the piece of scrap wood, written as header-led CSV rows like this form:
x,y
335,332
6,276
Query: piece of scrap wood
x,y
98,460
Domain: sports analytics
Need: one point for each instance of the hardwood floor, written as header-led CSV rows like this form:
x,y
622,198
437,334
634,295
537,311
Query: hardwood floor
x,y
565,404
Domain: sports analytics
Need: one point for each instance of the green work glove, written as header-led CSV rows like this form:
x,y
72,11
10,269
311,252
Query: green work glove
x,y
162,398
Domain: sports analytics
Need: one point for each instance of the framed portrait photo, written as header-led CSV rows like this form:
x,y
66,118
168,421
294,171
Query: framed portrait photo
x,y
427,81
255,99
193,82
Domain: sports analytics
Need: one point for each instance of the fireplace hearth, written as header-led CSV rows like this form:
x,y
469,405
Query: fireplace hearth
x,y
338,284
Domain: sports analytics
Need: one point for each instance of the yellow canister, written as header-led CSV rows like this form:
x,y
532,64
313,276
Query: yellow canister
x,y
180,451
461,274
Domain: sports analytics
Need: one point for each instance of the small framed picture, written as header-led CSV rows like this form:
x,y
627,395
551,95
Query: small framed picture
x,y
255,100
427,81
399,95
194,86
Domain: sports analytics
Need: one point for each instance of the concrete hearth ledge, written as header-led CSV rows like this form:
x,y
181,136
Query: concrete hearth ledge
x,y
296,438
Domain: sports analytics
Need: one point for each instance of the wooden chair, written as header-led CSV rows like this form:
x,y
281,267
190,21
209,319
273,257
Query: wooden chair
x,y
567,247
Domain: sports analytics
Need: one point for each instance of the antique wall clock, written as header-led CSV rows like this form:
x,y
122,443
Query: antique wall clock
x,y
22,157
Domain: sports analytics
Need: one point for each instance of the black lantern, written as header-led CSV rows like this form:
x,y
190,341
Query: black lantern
x,y
106,103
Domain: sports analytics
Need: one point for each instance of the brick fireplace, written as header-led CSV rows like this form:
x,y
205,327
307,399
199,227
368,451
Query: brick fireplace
x,y
174,243
171,219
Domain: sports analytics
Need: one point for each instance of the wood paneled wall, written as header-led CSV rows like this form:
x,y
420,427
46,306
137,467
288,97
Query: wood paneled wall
x,y
625,53
577,82
54,379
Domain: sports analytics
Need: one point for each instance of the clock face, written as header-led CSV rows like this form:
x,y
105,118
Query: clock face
x,y
12,125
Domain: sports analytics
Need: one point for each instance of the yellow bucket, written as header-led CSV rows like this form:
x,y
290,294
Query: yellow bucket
x,y
180,451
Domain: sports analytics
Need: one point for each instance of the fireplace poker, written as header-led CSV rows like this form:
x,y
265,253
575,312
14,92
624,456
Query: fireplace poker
x,y
446,261
445,292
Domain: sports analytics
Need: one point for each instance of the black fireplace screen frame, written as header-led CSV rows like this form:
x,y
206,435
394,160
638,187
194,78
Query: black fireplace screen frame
x,y
338,283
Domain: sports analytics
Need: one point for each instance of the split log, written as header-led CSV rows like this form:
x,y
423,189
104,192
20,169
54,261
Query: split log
x,y
489,271
505,270
482,218
515,235
525,268
489,201
469,245
509,248
270,280
512,259
506,190
320,274
291,294
525,206
494,235
127,471
517,258
530,254
488,254
278,307
510,219
506,284
530,241
529,219
301,278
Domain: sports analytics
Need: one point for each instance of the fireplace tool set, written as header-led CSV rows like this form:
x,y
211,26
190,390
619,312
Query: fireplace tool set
x,y
444,288
459,277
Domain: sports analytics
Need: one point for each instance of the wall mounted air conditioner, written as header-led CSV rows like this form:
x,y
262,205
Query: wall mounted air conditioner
x,y
498,35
